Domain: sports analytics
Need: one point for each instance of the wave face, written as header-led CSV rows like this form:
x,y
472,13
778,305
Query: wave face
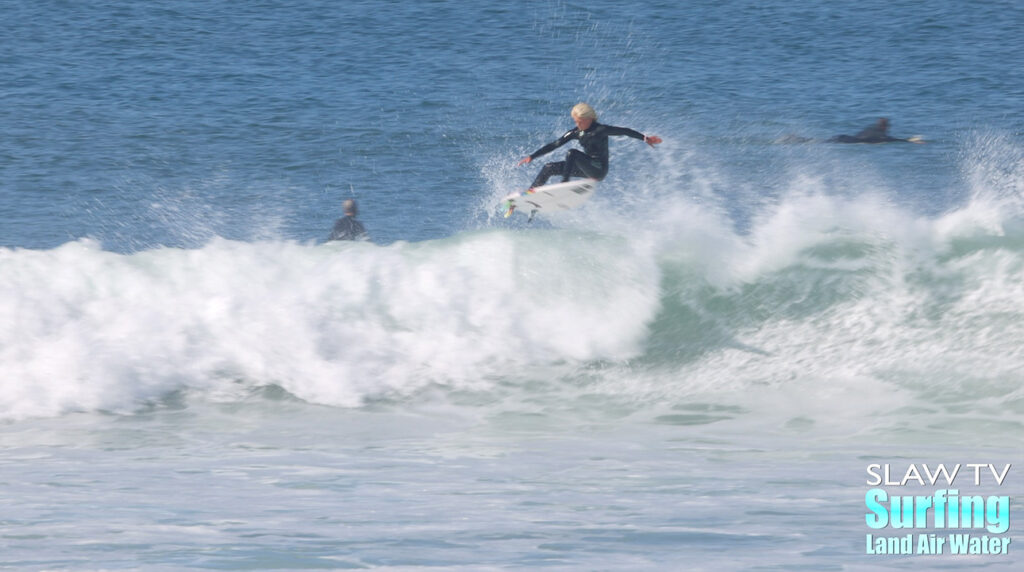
x,y
842,296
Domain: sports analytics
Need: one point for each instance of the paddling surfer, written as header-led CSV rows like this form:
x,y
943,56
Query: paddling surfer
x,y
347,227
877,133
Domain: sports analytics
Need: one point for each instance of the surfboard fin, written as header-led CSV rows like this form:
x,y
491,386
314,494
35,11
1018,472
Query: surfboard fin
x,y
533,212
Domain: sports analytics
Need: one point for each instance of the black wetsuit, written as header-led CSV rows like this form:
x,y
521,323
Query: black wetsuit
x,y
592,162
348,228
874,134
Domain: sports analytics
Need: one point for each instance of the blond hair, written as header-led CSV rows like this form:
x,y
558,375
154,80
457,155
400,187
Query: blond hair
x,y
584,111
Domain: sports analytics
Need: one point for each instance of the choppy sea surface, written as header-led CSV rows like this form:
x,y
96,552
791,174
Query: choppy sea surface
x,y
694,371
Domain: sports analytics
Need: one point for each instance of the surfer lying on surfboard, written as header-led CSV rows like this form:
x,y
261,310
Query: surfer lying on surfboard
x,y
877,133
592,162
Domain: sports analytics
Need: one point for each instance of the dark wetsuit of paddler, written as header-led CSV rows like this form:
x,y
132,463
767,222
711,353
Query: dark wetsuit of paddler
x,y
877,133
347,227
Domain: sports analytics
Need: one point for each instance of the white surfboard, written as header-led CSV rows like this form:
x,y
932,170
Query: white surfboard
x,y
556,197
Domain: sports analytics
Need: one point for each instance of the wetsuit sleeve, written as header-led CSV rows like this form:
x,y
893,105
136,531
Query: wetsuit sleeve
x,y
612,130
554,144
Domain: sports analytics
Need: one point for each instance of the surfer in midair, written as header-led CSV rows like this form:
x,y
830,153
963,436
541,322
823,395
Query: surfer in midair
x,y
592,161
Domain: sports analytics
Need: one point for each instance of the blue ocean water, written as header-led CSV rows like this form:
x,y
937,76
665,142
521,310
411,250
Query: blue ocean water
x,y
691,372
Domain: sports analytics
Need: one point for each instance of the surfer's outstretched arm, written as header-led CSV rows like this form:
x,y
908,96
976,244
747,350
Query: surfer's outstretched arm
x,y
569,136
